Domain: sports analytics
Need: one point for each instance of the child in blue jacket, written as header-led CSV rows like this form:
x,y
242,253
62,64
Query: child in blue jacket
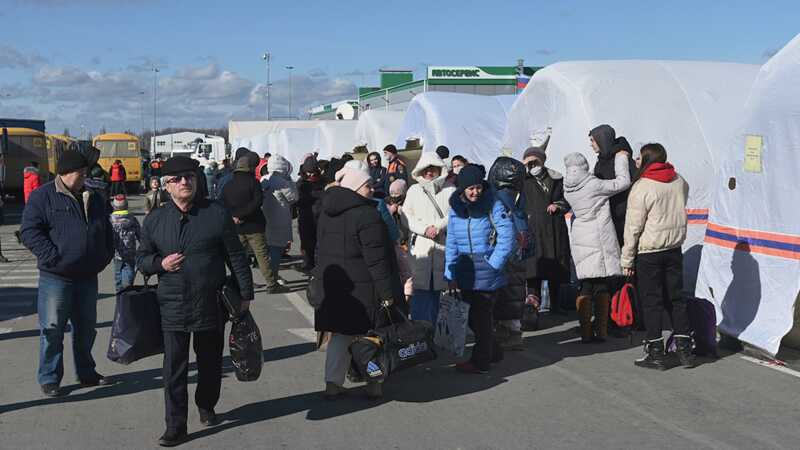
x,y
480,239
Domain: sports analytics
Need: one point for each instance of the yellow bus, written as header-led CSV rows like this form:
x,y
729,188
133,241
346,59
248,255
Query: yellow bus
x,y
19,147
56,144
123,147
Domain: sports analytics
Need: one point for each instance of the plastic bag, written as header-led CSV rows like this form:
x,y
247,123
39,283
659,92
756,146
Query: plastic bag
x,y
244,343
451,324
136,332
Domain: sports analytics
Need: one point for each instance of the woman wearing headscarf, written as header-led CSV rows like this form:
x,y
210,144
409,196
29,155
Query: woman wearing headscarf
x,y
356,264
280,193
595,249
480,239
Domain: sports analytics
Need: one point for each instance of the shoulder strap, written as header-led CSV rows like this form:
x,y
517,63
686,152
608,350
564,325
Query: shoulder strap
x,y
435,205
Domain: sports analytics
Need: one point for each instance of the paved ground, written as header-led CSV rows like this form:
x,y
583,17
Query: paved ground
x,y
556,394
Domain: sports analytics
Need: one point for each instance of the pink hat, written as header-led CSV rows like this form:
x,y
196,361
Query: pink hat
x,y
398,188
351,178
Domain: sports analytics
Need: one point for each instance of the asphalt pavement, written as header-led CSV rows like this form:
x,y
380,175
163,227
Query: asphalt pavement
x,y
556,394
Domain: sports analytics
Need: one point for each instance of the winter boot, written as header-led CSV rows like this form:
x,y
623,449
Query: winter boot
x,y
683,344
602,307
584,305
654,357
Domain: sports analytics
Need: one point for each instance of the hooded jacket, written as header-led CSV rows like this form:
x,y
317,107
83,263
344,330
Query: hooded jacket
x,y
478,245
427,255
31,181
70,235
511,298
656,219
609,144
356,262
280,193
243,198
593,240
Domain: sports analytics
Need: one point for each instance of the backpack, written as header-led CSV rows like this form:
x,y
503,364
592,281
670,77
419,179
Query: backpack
x,y
622,306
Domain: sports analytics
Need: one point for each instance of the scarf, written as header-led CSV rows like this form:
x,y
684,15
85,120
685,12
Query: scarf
x,y
661,172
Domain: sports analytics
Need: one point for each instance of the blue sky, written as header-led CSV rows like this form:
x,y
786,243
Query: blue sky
x,y
84,62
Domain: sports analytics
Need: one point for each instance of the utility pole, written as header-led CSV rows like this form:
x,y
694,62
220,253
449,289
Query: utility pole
x,y
267,57
155,111
141,117
291,90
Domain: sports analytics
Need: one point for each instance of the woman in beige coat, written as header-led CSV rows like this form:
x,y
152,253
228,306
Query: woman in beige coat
x,y
426,210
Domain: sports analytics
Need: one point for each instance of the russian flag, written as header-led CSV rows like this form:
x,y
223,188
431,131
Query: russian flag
x,y
522,81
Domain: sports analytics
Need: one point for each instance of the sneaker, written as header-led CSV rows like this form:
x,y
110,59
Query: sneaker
x,y
208,417
277,289
333,391
173,437
374,391
51,390
470,368
94,380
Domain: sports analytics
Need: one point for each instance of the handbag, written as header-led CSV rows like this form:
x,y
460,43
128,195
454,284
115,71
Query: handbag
x,y
136,331
451,324
315,292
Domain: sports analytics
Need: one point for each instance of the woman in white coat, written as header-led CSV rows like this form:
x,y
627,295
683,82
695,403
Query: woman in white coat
x,y
280,192
593,241
426,211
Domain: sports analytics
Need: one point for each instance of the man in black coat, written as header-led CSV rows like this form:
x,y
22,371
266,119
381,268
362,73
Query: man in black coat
x,y
310,188
545,207
186,243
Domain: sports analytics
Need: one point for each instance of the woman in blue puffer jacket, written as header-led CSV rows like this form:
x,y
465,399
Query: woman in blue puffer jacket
x,y
480,239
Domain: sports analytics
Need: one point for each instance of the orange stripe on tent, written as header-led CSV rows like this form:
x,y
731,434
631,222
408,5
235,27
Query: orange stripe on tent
x,y
749,248
785,238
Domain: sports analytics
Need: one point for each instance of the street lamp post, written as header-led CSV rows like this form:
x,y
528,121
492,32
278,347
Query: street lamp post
x,y
291,91
267,57
141,116
155,111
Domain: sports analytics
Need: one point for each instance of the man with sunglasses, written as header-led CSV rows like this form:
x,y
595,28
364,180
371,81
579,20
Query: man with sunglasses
x,y
187,243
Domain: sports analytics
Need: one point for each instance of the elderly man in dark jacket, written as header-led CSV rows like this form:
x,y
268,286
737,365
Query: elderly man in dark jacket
x,y
66,227
186,243
545,206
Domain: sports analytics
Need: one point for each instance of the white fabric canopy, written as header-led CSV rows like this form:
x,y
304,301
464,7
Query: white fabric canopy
x,y
378,128
469,125
689,107
293,144
335,138
750,267
247,129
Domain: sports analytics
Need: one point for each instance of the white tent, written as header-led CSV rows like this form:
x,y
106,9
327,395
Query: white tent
x,y
469,125
750,267
335,137
378,128
689,107
247,129
294,143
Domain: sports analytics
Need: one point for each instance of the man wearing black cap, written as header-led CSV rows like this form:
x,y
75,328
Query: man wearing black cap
x,y
67,228
186,243
396,169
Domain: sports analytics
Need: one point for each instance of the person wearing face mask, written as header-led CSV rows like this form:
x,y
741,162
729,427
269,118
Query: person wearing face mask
x,y
394,202
425,210
456,164
545,207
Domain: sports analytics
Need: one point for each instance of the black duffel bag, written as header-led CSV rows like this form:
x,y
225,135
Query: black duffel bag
x,y
392,348
136,332
244,340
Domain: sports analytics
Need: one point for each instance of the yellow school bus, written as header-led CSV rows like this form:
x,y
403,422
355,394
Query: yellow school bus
x,y
123,147
20,147
56,144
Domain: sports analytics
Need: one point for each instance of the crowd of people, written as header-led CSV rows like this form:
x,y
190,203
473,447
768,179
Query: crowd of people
x,y
381,242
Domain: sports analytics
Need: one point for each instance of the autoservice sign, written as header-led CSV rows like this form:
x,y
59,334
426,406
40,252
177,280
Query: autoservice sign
x,y
465,73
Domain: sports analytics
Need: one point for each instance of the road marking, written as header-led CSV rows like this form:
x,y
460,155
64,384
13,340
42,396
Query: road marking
x,y
23,277
23,271
772,365
307,334
302,306
6,330
19,285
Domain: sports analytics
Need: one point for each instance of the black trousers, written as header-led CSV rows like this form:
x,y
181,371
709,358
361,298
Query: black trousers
x,y
208,347
481,320
660,285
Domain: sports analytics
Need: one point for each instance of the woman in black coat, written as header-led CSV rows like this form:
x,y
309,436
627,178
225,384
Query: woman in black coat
x,y
357,265
607,145
309,189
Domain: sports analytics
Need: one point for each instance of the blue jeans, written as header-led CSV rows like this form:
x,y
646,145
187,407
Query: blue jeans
x,y
124,273
61,300
275,255
425,305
